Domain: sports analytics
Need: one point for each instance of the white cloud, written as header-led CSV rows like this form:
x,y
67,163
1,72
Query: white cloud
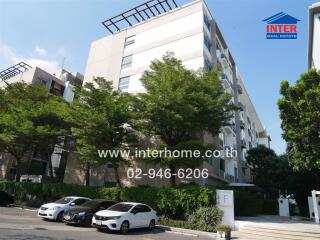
x,y
40,51
9,57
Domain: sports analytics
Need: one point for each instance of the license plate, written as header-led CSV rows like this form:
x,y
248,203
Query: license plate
x,y
98,222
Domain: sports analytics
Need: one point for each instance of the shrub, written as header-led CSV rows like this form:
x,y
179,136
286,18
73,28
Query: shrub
x,y
206,219
175,202
224,228
247,204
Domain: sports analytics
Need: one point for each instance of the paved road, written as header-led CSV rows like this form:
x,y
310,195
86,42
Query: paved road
x,y
16,224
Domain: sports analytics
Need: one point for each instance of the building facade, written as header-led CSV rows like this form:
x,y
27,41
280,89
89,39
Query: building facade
x,y
314,37
192,35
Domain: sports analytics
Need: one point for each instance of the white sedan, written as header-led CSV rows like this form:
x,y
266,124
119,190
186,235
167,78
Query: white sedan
x,y
124,216
55,210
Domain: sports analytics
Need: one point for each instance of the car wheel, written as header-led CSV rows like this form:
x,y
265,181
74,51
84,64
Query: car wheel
x,y
60,217
124,227
152,224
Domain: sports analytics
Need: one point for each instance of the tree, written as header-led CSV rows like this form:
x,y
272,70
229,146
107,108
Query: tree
x,y
269,170
29,118
300,114
180,104
50,119
100,116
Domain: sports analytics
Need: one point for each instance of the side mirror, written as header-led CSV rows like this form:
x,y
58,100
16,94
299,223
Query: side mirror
x,y
134,212
72,204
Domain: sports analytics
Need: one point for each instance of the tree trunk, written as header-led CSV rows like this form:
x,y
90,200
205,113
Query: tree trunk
x,y
18,171
173,177
87,175
116,175
49,159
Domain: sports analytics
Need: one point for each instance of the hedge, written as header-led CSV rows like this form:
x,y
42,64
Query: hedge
x,y
251,204
177,202
173,202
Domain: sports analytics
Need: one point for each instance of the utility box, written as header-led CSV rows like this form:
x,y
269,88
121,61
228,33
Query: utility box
x,y
284,207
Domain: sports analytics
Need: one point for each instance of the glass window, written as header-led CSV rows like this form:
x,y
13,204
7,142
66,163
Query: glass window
x,y
207,43
129,40
120,207
126,61
222,165
206,21
64,200
124,83
79,201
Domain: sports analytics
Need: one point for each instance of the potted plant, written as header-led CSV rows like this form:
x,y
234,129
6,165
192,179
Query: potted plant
x,y
224,232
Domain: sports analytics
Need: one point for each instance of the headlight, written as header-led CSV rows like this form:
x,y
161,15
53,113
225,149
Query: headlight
x,y
54,208
113,218
81,214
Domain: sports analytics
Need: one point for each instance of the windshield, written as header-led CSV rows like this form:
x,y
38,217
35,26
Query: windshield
x,y
64,200
91,204
121,207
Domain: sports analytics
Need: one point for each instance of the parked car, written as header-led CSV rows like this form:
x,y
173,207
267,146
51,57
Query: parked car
x,y
6,198
55,210
125,216
82,215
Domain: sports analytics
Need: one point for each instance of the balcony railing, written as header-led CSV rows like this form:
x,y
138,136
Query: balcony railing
x,y
242,124
243,143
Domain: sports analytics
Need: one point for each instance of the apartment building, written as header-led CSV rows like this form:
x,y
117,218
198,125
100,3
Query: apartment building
x,y
191,34
314,37
60,83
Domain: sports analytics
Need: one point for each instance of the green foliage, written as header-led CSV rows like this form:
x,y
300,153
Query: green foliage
x,y
178,202
99,115
30,117
300,114
247,204
174,223
224,228
179,104
269,170
206,218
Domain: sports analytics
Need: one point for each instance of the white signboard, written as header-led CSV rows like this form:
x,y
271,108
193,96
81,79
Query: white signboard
x,y
284,207
225,202
316,207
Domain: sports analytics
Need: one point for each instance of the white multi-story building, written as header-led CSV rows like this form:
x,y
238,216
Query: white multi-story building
x,y
191,34
314,36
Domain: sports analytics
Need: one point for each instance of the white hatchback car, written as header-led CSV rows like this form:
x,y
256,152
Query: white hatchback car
x,y
124,216
55,210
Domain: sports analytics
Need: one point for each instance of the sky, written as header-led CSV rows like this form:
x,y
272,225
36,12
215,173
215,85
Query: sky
x,y
52,33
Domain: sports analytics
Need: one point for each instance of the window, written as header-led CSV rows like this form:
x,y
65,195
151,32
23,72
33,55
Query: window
x,y
207,65
79,201
126,61
145,208
207,43
129,40
222,165
206,21
124,83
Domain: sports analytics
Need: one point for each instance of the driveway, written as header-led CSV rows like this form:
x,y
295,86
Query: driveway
x,y
19,224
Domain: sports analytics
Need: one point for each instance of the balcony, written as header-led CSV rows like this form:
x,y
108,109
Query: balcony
x,y
243,143
242,124
239,88
224,77
241,106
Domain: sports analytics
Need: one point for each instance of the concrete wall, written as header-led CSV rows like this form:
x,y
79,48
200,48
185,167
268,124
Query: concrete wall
x,y
316,41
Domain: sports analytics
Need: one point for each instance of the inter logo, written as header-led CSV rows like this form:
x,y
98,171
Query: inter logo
x,y
281,26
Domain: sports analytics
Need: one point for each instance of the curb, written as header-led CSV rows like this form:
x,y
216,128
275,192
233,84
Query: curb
x,y
22,208
187,232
